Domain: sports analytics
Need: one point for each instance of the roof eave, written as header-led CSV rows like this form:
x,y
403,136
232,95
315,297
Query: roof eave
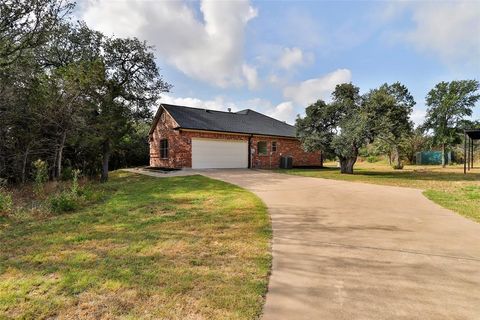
x,y
237,132
157,117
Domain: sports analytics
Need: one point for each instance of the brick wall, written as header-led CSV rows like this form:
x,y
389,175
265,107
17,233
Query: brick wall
x,y
180,147
285,147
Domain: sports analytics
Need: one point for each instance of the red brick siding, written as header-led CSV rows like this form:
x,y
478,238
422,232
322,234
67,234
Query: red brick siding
x,y
180,147
285,147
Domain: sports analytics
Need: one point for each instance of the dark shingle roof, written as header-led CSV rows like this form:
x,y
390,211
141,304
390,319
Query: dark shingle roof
x,y
245,121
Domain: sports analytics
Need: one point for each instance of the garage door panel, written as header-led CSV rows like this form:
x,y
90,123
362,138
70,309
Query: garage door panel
x,y
214,153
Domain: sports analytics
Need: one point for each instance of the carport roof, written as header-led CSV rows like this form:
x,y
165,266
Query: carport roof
x,y
245,121
473,133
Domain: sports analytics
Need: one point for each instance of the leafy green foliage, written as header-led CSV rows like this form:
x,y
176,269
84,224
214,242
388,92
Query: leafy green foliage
x,y
70,95
340,128
41,176
68,200
26,24
65,201
390,107
6,201
448,105
75,188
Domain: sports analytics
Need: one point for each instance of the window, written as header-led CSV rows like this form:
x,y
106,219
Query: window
x,y
262,148
164,148
274,146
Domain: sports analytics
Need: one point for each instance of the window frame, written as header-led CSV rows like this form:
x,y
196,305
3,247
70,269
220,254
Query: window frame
x,y
164,149
274,146
266,148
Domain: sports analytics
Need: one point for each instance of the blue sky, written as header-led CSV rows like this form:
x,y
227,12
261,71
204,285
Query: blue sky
x,y
278,56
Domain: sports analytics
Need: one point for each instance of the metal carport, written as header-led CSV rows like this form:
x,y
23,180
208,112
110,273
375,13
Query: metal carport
x,y
470,136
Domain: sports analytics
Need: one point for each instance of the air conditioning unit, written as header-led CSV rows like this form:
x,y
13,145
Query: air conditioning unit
x,y
286,162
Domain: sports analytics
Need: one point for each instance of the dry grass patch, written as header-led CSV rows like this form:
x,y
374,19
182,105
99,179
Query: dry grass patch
x,y
170,248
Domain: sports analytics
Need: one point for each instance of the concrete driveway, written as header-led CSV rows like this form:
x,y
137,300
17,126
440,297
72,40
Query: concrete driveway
x,y
344,250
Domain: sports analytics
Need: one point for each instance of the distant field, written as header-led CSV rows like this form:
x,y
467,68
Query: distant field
x,y
448,186
170,248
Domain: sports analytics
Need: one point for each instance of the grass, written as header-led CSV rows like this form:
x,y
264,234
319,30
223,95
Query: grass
x,y
448,187
170,248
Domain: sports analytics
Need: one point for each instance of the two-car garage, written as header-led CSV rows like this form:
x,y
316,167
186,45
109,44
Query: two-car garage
x,y
215,153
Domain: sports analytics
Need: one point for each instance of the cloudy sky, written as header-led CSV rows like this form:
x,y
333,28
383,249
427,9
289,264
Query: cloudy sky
x,y
277,57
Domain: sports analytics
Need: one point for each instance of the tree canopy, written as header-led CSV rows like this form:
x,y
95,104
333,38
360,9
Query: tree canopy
x,y
351,121
449,103
390,107
69,95
340,128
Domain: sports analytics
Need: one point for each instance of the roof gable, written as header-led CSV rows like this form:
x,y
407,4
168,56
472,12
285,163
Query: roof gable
x,y
244,121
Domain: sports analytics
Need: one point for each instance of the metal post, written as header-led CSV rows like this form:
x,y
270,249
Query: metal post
x,y
471,154
464,153
468,154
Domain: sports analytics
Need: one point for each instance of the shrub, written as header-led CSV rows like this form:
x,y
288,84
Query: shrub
x,y
398,167
6,202
68,200
64,202
372,159
74,189
67,173
41,175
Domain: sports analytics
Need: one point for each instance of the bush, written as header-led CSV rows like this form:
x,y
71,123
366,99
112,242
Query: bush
x,y
6,202
41,175
398,167
67,173
68,200
64,202
75,188
372,159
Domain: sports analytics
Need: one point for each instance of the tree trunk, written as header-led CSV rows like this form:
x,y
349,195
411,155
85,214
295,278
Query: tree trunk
x,y
396,158
443,155
346,165
106,158
60,154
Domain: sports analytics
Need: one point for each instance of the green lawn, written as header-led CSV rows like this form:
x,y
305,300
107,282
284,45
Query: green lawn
x,y
448,187
170,248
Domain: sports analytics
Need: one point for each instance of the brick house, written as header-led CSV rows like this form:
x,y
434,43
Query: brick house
x,y
185,137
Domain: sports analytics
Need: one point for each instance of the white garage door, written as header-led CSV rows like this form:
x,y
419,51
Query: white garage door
x,y
212,153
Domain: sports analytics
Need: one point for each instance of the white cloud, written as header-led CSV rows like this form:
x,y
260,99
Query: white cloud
x,y
208,48
292,57
311,90
218,103
284,111
418,116
448,29
250,74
